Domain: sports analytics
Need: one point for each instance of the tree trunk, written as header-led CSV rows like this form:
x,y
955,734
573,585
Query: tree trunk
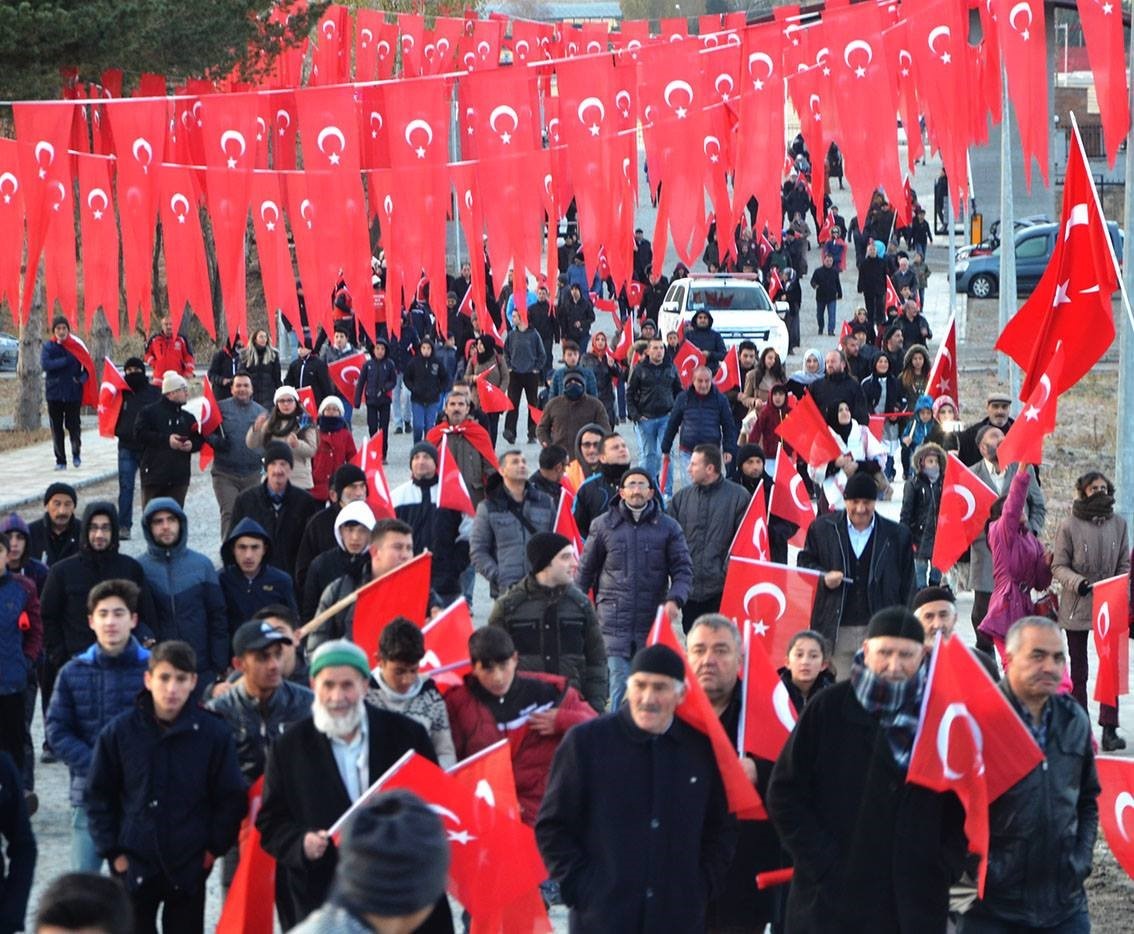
x,y
29,373
101,338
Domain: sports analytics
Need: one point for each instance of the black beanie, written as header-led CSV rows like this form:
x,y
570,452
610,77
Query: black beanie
x,y
659,660
895,621
278,451
747,451
394,858
59,487
424,447
346,475
640,471
932,595
861,486
543,547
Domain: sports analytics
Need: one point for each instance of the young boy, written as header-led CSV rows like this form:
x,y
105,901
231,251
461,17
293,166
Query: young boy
x,y
495,702
397,686
165,795
92,689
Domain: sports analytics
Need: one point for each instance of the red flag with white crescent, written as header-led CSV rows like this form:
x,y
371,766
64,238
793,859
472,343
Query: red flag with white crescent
x,y
186,272
769,716
790,499
12,220
808,433
446,658
964,507
943,373
1116,776
99,241
492,398
1023,444
110,398
687,359
403,591
1107,57
625,339
452,491
775,598
369,458
274,252
1110,605
77,349
345,372
209,421
307,402
565,523
728,373
751,538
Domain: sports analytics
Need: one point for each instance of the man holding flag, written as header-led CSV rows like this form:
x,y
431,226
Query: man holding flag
x,y
65,386
1041,830
871,852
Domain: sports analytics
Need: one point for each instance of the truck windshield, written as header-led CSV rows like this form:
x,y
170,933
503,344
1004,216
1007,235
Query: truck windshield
x,y
727,298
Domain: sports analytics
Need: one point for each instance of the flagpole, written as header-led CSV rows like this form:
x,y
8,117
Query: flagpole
x,y
1124,452
1006,371
743,719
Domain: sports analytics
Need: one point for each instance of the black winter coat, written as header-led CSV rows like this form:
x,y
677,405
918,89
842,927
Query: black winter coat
x,y
596,495
426,379
256,726
643,852
872,276
132,405
303,791
64,375
163,796
44,545
311,372
825,282
157,423
652,390
285,525
831,390
709,342
871,852
920,503
376,381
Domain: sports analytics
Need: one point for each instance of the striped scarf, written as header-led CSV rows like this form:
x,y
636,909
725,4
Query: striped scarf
x,y
895,704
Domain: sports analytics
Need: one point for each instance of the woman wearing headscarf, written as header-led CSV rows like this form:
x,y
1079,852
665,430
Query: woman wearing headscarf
x,y
861,451
1090,545
487,358
812,372
885,396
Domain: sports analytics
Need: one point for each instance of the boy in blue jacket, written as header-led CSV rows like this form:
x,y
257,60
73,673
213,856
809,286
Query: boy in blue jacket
x,y
92,689
165,795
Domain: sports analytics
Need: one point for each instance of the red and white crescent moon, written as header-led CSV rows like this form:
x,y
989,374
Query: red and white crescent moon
x,y
418,124
589,103
382,48
347,370
967,497
269,207
1122,803
1022,7
953,712
934,34
9,179
179,199
366,36
677,85
854,45
499,111
773,591
623,96
794,487
330,132
1102,621
43,146
142,145
229,135
724,78
781,704
95,194
765,59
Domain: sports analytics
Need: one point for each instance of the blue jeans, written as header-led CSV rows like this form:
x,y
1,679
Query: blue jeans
x,y
128,465
400,402
976,922
649,432
678,470
619,670
925,574
84,856
424,417
831,308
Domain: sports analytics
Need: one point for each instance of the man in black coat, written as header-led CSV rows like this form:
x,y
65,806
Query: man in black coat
x,y
281,509
867,565
838,386
348,485
142,394
168,435
647,850
307,786
309,369
872,285
55,535
870,852
996,409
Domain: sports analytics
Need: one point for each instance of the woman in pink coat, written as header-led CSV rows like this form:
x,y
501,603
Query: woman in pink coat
x,y
1020,563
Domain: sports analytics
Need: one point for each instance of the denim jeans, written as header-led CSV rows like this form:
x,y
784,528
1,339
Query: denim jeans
x,y
925,574
400,403
619,670
84,856
831,309
424,417
650,431
128,465
678,471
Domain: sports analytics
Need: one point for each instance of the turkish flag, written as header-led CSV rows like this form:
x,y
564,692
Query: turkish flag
x,y
813,98
893,299
943,374
945,758
452,491
687,359
695,709
186,272
249,907
446,658
1102,29
493,857
805,429
100,241
1024,442
301,215
403,591
775,598
625,339
110,398
761,124
565,523
369,31
492,398
345,372
286,127
965,502
209,421
828,225
12,222
1023,44
775,284
307,403
790,500
467,187
330,62
1116,776
274,252
442,43
728,373
1111,628
1071,303
899,52
411,27
369,458
77,349
767,714
751,538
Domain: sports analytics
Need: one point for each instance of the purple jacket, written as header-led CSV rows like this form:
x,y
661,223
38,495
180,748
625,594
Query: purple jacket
x,y
1018,564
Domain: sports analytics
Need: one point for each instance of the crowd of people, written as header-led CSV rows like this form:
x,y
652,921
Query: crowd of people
x,y
170,684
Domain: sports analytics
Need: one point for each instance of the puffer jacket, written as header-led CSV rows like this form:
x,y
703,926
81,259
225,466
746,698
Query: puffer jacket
x,y
556,631
244,597
596,494
64,375
377,379
255,725
706,340
156,424
164,795
1042,830
709,516
633,567
698,419
922,500
652,390
189,600
1087,550
475,726
500,533
90,691
66,630
18,647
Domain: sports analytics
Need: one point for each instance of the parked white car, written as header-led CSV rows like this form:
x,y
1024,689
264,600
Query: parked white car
x,y
741,309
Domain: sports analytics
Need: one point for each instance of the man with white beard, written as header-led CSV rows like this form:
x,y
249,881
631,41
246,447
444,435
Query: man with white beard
x,y
322,765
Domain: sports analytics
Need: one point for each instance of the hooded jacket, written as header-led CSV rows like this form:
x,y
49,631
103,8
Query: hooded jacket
x,y
334,562
30,567
19,646
596,494
90,691
284,525
244,596
922,500
189,599
63,606
501,529
377,379
577,469
708,341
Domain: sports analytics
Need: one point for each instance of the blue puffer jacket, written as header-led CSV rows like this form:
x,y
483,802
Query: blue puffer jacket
x,y
698,419
633,567
243,597
18,647
90,691
63,374
190,604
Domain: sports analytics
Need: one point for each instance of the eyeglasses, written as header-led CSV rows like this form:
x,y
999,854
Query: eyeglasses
x,y
589,444
636,485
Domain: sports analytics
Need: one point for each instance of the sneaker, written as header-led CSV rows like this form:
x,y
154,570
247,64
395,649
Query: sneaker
x,y
77,461
60,466
31,799
124,535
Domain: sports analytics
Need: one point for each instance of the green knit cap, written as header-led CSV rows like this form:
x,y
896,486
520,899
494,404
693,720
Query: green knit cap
x,y
339,652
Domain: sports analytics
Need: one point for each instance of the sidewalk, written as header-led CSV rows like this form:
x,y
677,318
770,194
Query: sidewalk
x,y
26,472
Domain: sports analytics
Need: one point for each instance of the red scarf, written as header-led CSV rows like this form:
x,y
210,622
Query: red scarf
x,y
472,431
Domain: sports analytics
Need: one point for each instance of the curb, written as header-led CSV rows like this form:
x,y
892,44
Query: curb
x,y
11,505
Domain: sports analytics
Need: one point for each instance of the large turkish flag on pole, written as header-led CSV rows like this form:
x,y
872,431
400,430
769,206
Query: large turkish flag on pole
x,y
965,502
1116,776
403,591
1111,629
1022,31
1102,28
775,598
1024,442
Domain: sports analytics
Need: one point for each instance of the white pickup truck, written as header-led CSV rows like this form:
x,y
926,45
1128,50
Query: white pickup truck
x,y
739,305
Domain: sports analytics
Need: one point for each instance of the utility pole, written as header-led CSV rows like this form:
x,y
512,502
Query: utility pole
x,y
1006,372
1124,451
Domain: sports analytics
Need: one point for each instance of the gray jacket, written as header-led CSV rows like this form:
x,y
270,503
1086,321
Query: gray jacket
x,y
500,533
256,727
980,572
633,568
709,516
232,454
524,351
